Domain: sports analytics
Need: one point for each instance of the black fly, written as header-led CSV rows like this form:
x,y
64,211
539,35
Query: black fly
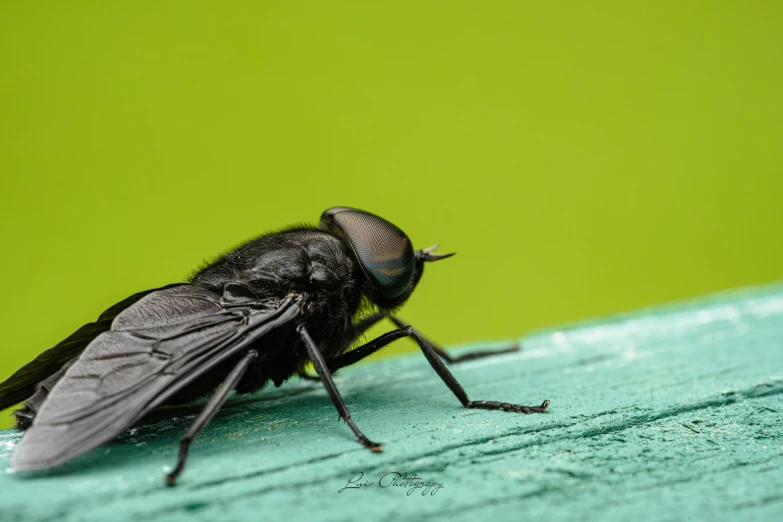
x,y
259,313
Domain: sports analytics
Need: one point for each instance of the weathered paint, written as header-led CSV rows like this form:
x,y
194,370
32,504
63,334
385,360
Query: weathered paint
x,y
665,414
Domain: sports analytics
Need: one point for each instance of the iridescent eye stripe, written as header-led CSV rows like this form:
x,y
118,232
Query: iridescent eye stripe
x,y
391,268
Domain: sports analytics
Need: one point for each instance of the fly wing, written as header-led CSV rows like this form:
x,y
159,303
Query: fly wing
x,y
154,348
22,383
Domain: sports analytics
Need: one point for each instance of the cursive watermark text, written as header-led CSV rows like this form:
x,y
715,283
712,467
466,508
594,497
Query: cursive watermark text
x,y
410,483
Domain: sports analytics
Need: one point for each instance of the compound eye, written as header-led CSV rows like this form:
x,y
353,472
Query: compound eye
x,y
383,250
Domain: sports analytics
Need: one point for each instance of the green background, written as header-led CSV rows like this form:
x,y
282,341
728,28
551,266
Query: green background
x,y
582,159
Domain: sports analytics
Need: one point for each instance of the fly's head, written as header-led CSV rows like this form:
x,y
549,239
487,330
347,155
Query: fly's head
x,y
383,251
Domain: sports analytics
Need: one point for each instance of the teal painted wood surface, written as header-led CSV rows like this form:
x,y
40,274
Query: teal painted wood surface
x,y
666,414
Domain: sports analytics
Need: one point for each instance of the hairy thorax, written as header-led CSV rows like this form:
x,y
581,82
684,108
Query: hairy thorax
x,y
308,263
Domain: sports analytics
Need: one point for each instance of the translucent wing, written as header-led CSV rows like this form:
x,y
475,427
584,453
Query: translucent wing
x,y
153,349
21,384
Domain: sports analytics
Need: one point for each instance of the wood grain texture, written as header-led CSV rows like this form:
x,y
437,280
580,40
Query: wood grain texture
x,y
665,414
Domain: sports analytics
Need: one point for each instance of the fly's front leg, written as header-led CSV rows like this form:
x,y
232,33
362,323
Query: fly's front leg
x,y
437,364
514,347
454,386
326,378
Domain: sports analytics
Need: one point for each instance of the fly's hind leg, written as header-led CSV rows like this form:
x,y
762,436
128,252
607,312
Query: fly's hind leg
x,y
213,406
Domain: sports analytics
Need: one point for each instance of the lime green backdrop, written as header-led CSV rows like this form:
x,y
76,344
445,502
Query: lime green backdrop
x,y
582,159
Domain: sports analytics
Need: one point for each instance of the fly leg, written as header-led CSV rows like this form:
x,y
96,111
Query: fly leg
x,y
437,364
512,347
213,406
326,378
365,324
359,329
372,319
